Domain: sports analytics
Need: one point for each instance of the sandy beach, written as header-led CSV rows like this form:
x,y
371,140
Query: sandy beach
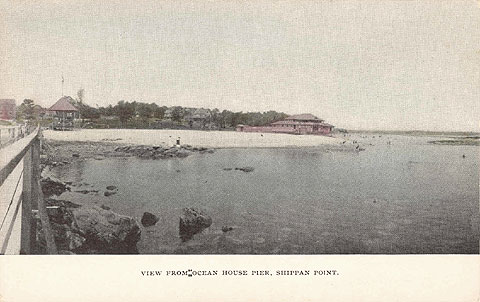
x,y
207,139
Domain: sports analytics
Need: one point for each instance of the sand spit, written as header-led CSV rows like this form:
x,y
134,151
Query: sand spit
x,y
206,139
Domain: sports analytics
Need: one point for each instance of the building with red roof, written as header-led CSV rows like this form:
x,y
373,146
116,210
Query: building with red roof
x,y
295,124
64,113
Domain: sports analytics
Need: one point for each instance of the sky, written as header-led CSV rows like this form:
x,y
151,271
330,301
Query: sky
x,y
390,65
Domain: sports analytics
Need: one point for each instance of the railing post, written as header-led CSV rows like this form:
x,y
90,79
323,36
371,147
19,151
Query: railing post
x,y
35,189
25,247
30,196
35,171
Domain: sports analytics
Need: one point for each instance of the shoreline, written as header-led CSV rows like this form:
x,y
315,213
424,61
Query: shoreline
x,y
206,139
79,228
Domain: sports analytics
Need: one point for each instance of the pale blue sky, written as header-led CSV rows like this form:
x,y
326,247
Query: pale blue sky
x,y
359,65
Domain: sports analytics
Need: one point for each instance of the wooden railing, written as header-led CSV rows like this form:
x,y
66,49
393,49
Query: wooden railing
x,y
21,196
11,134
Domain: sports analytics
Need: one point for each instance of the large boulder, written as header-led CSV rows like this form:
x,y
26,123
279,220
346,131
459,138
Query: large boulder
x,y
107,232
149,219
193,221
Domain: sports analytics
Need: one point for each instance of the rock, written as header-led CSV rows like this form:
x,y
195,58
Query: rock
x,y
88,230
158,152
245,169
63,252
111,188
227,169
62,203
52,186
86,191
226,229
53,211
109,193
183,153
66,234
193,221
74,240
60,215
75,155
107,232
105,207
149,219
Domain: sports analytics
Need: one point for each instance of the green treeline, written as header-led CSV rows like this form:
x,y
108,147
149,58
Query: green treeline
x,y
150,115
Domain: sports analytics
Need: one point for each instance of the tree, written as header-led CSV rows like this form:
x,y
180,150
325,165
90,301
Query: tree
x,y
80,95
26,110
160,112
145,110
86,111
177,114
125,111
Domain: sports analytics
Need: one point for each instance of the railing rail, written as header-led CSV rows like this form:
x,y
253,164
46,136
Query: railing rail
x,y
21,194
10,134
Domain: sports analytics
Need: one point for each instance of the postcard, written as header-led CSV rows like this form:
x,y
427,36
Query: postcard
x,y
239,150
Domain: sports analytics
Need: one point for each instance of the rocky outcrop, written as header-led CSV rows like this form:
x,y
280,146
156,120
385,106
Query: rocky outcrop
x,y
81,230
149,219
107,232
193,221
158,152
51,186
68,237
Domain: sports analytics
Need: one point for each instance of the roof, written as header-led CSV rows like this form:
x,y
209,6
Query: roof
x,y
63,104
295,122
304,116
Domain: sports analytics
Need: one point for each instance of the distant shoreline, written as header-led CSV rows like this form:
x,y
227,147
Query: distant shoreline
x,y
418,132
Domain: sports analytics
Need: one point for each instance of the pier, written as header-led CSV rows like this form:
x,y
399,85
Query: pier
x,y
21,196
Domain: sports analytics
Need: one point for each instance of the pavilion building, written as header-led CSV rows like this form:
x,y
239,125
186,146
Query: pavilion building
x,y
63,113
294,124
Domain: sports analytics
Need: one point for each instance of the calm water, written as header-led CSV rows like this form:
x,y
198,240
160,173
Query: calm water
x,y
408,197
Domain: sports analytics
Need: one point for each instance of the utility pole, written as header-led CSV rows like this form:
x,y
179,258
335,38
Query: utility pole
x,y
63,80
